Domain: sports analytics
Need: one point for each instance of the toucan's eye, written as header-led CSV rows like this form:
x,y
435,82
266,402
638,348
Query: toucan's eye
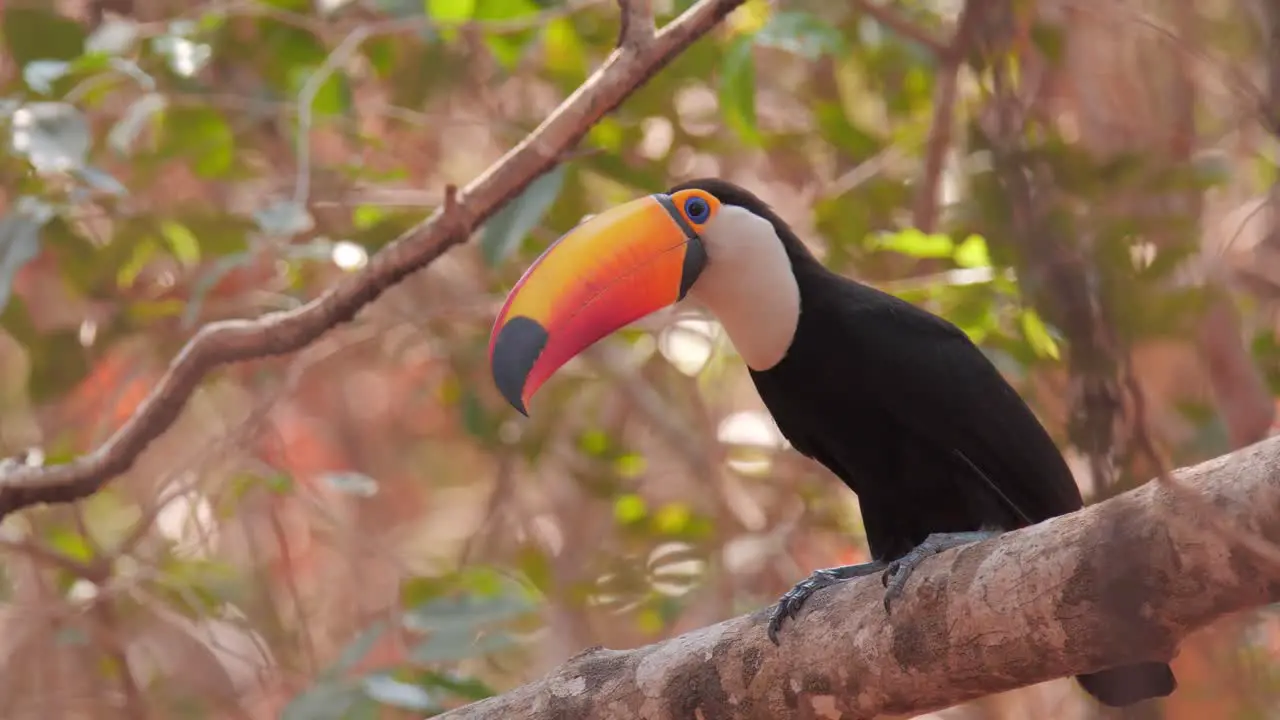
x,y
697,209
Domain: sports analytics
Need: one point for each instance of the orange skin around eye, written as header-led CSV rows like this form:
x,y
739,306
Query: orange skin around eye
x,y
608,272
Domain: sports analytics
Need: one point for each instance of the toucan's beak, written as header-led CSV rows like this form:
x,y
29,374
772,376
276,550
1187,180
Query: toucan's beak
x,y
610,271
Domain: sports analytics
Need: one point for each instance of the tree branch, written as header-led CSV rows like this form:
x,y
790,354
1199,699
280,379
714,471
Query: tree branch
x,y
1111,584
220,343
946,86
636,29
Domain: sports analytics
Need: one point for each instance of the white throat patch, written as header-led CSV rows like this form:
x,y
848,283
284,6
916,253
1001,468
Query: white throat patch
x,y
748,284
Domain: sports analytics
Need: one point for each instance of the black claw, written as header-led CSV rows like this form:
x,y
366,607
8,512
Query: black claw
x,y
790,603
899,571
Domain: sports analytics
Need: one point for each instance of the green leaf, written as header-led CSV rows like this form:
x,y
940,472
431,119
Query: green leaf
x,y
504,232
329,700
468,612
40,34
738,90
453,644
911,241
801,33
1037,335
70,543
202,134
972,253
182,242
358,648
450,11
563,51
629,509
508,47
332,96
464,687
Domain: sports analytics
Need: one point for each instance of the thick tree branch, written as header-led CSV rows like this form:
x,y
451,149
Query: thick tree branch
x,y
1113,583
283,332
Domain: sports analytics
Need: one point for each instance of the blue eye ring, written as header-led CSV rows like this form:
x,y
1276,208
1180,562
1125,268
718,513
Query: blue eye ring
x,y
697,209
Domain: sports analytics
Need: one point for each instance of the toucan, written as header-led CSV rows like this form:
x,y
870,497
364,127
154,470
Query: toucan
x,y
895,401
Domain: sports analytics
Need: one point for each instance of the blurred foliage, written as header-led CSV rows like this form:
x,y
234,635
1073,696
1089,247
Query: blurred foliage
x,y
367,530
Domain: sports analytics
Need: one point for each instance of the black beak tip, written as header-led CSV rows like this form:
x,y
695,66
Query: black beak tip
x,y
517,348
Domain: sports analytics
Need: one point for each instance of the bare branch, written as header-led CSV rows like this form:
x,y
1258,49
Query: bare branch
x,y
637,23
944,102
1111,584
900,25
279,333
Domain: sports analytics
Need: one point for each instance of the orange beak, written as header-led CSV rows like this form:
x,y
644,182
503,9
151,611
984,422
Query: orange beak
x,y
604,274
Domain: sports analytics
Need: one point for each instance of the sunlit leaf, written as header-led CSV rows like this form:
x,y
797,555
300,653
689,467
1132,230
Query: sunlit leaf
x,y
54,137
20,238
186,57
738,90
332,93
352,483
508,47
182,242
40,75
972,253
672,518
389,691
563,50
628,509
140,111
70,543
504,232
114,36
450,11
1038,335
911,241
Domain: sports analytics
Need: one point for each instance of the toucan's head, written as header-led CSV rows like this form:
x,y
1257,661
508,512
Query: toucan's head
x,y
708,238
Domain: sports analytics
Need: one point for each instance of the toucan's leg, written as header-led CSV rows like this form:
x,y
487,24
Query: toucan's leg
x,y
790,603
896,575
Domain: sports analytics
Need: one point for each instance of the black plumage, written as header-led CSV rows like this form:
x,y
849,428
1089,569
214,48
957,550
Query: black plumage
x,y
903,408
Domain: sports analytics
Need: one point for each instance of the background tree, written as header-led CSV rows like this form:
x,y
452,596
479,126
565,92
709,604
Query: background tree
x,y
365,529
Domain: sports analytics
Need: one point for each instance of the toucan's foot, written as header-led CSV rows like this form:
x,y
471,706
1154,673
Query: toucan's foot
x,y
790,603
895,577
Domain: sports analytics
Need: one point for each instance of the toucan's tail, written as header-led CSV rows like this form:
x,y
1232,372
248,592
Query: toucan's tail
x,y
1128,684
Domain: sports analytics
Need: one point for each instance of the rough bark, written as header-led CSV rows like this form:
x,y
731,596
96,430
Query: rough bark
x,y
1120,581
